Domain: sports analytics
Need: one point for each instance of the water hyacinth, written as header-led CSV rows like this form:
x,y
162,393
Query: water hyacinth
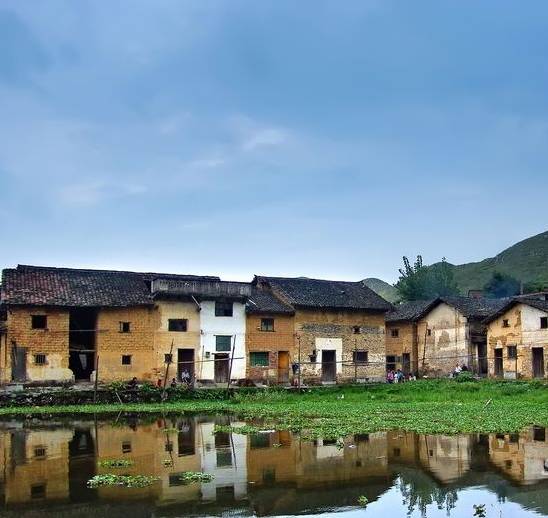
x,y
111,479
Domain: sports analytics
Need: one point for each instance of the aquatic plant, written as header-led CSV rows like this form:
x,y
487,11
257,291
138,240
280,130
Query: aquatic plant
x,y
116,463
111,479
479,511
363,500
195,476
243,430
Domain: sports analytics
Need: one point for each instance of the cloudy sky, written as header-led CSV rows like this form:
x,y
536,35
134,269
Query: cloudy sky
x,y
277,137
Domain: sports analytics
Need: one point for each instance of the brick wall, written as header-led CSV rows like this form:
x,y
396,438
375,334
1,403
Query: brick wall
x,y
281,339
360,330
138,343
405,342
52,341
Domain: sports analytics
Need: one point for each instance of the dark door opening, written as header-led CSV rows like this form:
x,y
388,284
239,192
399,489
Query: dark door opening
x,y
406,363
538,362
19,363
390,363
185,365
498,362
329,367
186,437
482,359
283,366
82,323
221,368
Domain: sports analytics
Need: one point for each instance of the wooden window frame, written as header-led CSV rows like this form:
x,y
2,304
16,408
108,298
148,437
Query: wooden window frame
x,y
125,327
265,327
222,308
223,348
40,359
512,352
395,332
253,363
356,360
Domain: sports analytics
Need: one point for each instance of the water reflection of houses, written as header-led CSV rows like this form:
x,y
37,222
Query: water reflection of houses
x,y
262,473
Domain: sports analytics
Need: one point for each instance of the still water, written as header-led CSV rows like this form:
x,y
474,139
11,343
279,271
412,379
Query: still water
x,y
45,466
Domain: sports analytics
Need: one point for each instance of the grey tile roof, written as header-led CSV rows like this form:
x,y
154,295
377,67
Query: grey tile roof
x,y
318,293
48,286
262,300
409,310
522,299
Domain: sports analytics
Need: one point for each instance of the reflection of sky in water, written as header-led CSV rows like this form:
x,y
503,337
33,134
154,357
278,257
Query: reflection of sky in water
x,y
47,463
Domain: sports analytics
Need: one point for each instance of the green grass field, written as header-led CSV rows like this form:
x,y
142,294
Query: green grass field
x,y
426,406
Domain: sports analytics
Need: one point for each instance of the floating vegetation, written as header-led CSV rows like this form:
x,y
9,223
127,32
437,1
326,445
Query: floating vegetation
x,y
195,476
121,480
363,500
168,463
276,445
116,463
170,430
479,511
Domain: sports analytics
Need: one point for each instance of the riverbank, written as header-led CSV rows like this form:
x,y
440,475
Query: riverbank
x,y
427,406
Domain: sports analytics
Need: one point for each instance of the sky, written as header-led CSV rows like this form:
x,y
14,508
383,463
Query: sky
x,y
233,138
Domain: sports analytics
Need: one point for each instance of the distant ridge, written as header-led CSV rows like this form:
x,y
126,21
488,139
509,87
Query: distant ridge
x,y
527,261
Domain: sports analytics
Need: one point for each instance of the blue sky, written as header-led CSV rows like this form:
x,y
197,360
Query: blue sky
x,y
312,138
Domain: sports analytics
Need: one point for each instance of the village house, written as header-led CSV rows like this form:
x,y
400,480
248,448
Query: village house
x,y
338,326
517,338
432,337
61,324
270,337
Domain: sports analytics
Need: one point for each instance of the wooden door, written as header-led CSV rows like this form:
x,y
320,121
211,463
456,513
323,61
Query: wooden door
x,y
538,362
329,367
498,362
283,366
221,368
19,364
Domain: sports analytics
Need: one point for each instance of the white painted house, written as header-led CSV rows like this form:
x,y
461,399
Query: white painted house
x,y
222,337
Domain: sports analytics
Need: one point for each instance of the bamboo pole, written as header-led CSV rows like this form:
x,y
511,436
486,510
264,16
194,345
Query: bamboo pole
x,y
230,365
167,370
96,378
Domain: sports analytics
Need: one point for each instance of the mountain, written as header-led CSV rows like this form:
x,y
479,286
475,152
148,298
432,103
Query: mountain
x,y
527,261
385,290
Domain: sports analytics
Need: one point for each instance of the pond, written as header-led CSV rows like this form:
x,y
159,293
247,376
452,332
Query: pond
x,y
47,463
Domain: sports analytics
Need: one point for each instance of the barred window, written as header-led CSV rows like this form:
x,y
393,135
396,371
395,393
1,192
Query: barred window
x,y
394,333
125,327
360,357
512,351
39,359
223,343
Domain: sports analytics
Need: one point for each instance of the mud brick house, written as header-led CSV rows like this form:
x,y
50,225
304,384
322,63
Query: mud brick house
x,y
517,337
206,318
431,337
270,337
339,327
58,321
403,329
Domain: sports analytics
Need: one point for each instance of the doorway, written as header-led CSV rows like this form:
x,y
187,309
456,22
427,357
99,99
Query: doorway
x,y
482,359
283,366
390,363
329,367
82,329
498,362
538,362
406,363
19,363
221,368
185,365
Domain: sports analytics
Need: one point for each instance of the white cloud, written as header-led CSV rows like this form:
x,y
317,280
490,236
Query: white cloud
x,y
267,137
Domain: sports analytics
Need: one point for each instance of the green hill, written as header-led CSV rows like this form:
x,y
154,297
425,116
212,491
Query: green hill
x,y
385,290
527,261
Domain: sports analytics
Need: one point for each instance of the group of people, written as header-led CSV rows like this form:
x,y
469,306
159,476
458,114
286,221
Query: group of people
x,y
398,376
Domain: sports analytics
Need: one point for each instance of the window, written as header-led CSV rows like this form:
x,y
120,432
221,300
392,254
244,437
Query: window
x,y
223,343
38,491
40,452
39,321
544,322
39,359
258,359
429,332
267,324
394,333
177,324
505,323
126,447
125,327
126,359
223,309
269,475
539,433
168,358
177,479
359,357
508,464
259,440
224,458
397,452
356,330
512,352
